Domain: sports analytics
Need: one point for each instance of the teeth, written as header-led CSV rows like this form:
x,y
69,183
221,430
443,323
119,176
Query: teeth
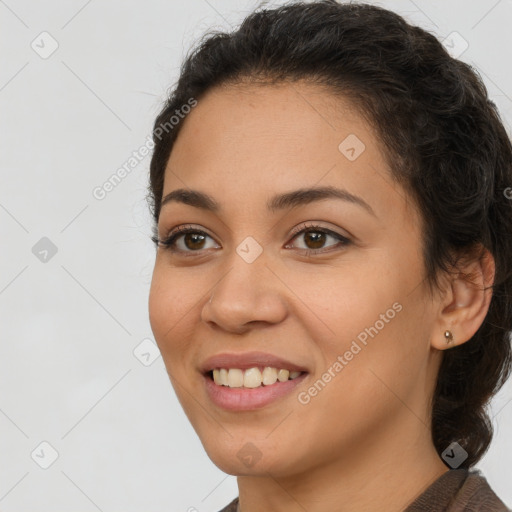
x,y
283,375
252,377
235,378
269,375
223,377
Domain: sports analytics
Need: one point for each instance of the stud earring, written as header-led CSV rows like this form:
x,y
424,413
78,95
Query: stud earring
x,y
448,336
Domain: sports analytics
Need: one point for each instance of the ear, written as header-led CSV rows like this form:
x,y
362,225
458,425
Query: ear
x,y
465,301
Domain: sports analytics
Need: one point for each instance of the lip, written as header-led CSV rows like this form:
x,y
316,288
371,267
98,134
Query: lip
x,y
247,399
245,360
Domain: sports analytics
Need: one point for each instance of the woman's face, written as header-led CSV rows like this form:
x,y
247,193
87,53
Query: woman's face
x,y
353,314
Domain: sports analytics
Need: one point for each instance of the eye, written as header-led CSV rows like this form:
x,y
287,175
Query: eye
x,y
188,240
192,240
315,237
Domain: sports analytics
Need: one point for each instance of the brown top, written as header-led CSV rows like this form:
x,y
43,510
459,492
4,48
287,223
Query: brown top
x,y
457,490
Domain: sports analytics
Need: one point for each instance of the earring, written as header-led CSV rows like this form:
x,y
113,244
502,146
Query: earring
x,y
448,336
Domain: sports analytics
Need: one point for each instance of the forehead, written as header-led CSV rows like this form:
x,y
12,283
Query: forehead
x,y
250,140
289,118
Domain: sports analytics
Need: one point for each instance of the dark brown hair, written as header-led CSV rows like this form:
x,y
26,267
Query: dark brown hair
x,y
444,141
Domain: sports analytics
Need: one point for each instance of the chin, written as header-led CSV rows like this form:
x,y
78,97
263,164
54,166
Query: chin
x,y
240,456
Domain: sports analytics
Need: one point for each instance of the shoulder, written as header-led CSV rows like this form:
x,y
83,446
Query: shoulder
x,y
476,494
232,507
458,490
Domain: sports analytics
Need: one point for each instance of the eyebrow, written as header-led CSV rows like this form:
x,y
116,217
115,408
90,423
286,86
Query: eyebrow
x,y
277,203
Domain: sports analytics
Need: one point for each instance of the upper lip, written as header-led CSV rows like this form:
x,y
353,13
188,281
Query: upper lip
x,y
245,360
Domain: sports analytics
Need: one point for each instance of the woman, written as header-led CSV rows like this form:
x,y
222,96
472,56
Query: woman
x,y
332,287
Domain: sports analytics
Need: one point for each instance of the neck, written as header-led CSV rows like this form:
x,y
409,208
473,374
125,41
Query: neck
x,y
378,475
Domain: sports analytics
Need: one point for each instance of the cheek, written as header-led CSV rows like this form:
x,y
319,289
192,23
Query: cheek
x,y
367,320
340,304
362,385
384,367
158,304
171,299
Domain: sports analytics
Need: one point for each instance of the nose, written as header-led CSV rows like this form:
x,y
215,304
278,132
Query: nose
x,y
247,294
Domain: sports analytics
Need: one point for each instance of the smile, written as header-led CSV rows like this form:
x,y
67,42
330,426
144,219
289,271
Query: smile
x,y
246,398
252,377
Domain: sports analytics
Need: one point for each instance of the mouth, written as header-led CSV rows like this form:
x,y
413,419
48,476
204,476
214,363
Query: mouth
x,y
250,380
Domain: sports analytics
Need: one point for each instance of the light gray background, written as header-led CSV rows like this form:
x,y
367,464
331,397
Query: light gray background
x,y
68,372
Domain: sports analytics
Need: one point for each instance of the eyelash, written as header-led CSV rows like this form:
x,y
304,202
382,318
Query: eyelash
x,y
168,243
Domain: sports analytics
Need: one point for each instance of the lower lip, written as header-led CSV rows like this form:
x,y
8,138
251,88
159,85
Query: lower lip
x,y
246,399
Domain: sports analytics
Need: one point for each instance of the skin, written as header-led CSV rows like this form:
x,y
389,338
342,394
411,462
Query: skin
x,y
364,441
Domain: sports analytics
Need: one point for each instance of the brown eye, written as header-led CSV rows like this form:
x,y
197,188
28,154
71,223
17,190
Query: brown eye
x,y
315,237
314,240
185,240
193,241
188,241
